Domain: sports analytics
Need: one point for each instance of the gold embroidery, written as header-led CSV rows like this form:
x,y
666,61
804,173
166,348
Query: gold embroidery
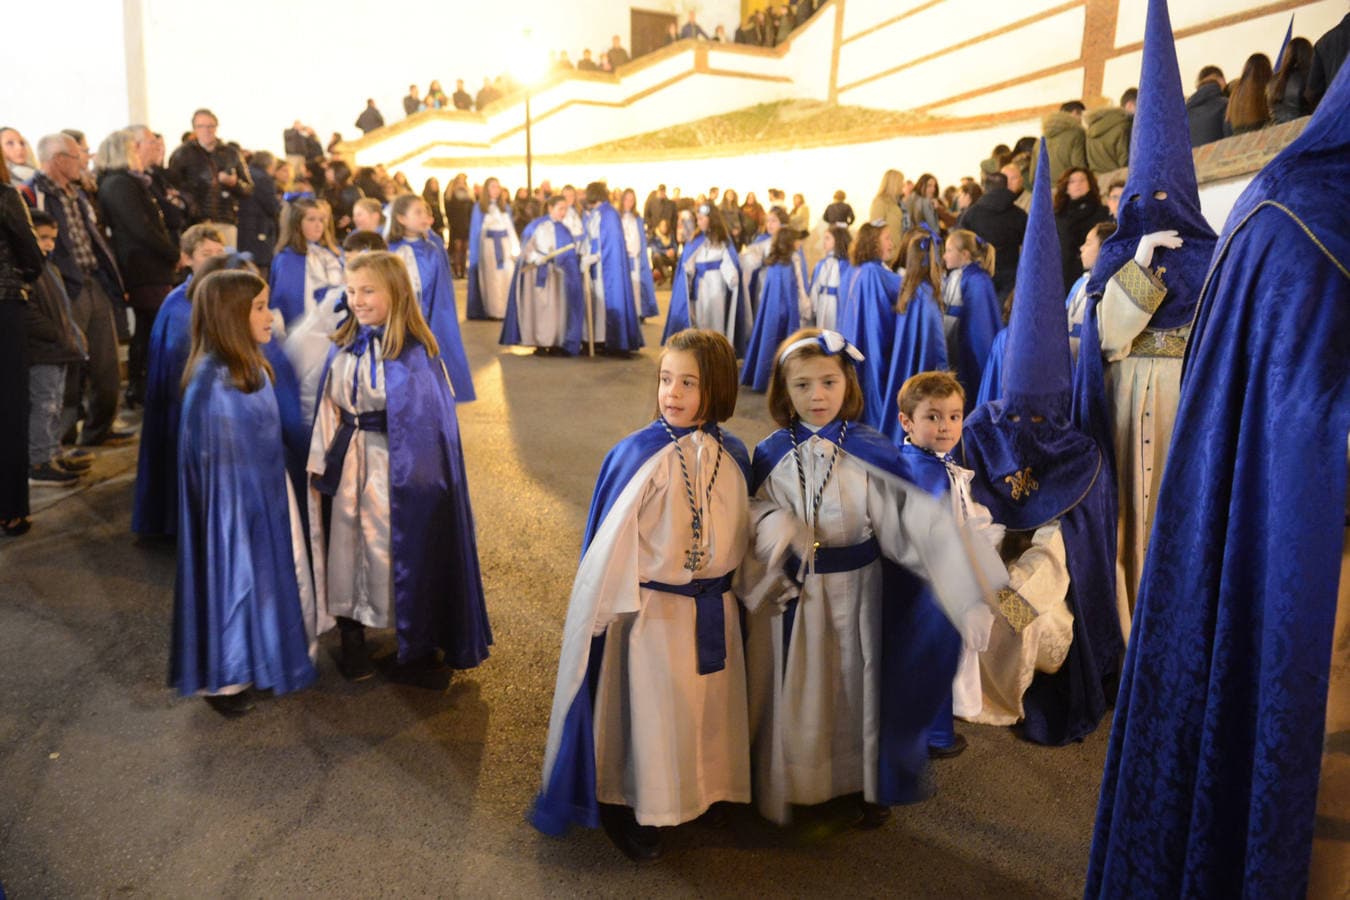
x,y
1022,483
1143,288
1016,610
1165,344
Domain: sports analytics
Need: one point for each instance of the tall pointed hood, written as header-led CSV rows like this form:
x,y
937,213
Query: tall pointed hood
x,y
1161,192
1039,374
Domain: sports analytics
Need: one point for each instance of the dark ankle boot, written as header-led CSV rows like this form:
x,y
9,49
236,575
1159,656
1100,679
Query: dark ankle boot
x,y
231,706
640,843
354,663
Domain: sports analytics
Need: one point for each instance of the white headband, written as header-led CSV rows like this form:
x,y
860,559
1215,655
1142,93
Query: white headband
x,y
832,342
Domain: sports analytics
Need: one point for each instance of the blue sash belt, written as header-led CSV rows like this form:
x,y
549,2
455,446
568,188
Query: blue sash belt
x,y
828,561
498,237
327,483
832,291
541,275
709,617
699,270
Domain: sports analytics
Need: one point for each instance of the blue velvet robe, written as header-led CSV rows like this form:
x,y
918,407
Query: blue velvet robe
x,y
568,264
991,380
979,319
438,308
867,319
237,614
920,647
920,346
622,331
473,306
155,505
438,588
677,317
778,315
568,793
1212,773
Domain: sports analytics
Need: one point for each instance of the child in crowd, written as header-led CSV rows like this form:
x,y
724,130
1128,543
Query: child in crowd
x,y
705,291
411,239
866,316
53,343
663,252
391,528
648,726
308,266
829,274
155,507
932,409
493,248
547,305
243,602
783,304
920,341
608,274
1075,304
368,215
755,255
973,316
844,686
639,260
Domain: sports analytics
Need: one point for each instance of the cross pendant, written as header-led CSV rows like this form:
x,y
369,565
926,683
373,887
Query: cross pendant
x,y
693,559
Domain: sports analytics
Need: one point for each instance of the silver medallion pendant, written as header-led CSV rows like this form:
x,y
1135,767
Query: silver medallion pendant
x,y
693,559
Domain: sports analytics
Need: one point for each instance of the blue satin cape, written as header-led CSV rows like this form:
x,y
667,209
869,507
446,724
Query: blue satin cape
x,y
155,506
677,317
568,793
473,306
622,331
438,588
919,647
573,290
438,308
991,380
1212,773
867,319
979,320
237,616
286,284
776,317
647,307
920,346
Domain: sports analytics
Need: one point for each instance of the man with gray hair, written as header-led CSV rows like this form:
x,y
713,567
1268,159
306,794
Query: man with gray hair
x,y
93,283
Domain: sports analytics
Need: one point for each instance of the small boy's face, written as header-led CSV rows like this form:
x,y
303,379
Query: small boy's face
x,y
46,238
936,424
365,220
207,249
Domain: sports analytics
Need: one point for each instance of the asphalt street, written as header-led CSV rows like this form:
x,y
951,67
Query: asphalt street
x,y
111,785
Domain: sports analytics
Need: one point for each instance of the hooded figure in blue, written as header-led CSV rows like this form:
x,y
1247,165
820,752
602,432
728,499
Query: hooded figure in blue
x,y
155,506
243,604
867,316
1211,781
1141,300
610,278
649,709
309,264
920,340
493,248
420,248
1037,473
705,287
547,305
780,311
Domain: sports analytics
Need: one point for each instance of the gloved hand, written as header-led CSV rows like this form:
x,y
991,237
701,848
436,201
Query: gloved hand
x,y
975,626
1149,243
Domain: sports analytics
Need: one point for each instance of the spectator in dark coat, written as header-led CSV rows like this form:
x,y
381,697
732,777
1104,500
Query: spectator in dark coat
x,y
260,211
804,10
210,174
997,218
171,204
1287,100
411,103
838,212
616,55
461,98
658,207
1078,207
1328,55
487,94
692,30
20,263
342,195
370,118
459,205
1206,108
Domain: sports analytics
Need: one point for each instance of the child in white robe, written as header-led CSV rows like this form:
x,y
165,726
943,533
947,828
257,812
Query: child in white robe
x,y
649,721
498,246
829,276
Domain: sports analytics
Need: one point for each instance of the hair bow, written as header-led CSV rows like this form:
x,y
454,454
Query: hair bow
x,y
831,342
292,196
705,210
877,223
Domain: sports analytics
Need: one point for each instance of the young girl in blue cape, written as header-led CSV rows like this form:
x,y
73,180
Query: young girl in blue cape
x,y
782,306
973,315
920,339
846,666
243,604
493,248
705,290
308,264
391,527
829,276
547,306
639,260
413,241
866,316
648,726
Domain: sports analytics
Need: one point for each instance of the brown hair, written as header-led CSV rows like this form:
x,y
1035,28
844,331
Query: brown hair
x,y
782,248
484,202
1248,107
922,263
780,401
405,313
980,250
841,241
193,237
402,203
232,262
220,328
293,237
717,371
868,245
1093,196
363,242
928,385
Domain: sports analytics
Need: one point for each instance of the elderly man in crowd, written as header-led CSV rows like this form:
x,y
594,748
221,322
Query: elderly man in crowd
x,y
92,281
212,176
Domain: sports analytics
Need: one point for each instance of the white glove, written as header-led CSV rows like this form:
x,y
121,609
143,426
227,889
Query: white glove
x,y
590,259
1149,243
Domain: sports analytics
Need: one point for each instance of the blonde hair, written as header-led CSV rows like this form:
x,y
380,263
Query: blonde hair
x,y
921,264
892,185
222,303
405,313
291,234
981,251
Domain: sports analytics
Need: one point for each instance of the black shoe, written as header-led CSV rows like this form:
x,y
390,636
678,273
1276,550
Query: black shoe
x,y
428,672
874,815
16,527
640,843
954,749
75,466
76,457
231,706
49,475
355,662
114,437
714,817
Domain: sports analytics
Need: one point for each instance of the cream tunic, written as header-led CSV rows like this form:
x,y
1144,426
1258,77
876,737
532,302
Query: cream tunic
x,y
495,282
711,308
541,312
825,304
